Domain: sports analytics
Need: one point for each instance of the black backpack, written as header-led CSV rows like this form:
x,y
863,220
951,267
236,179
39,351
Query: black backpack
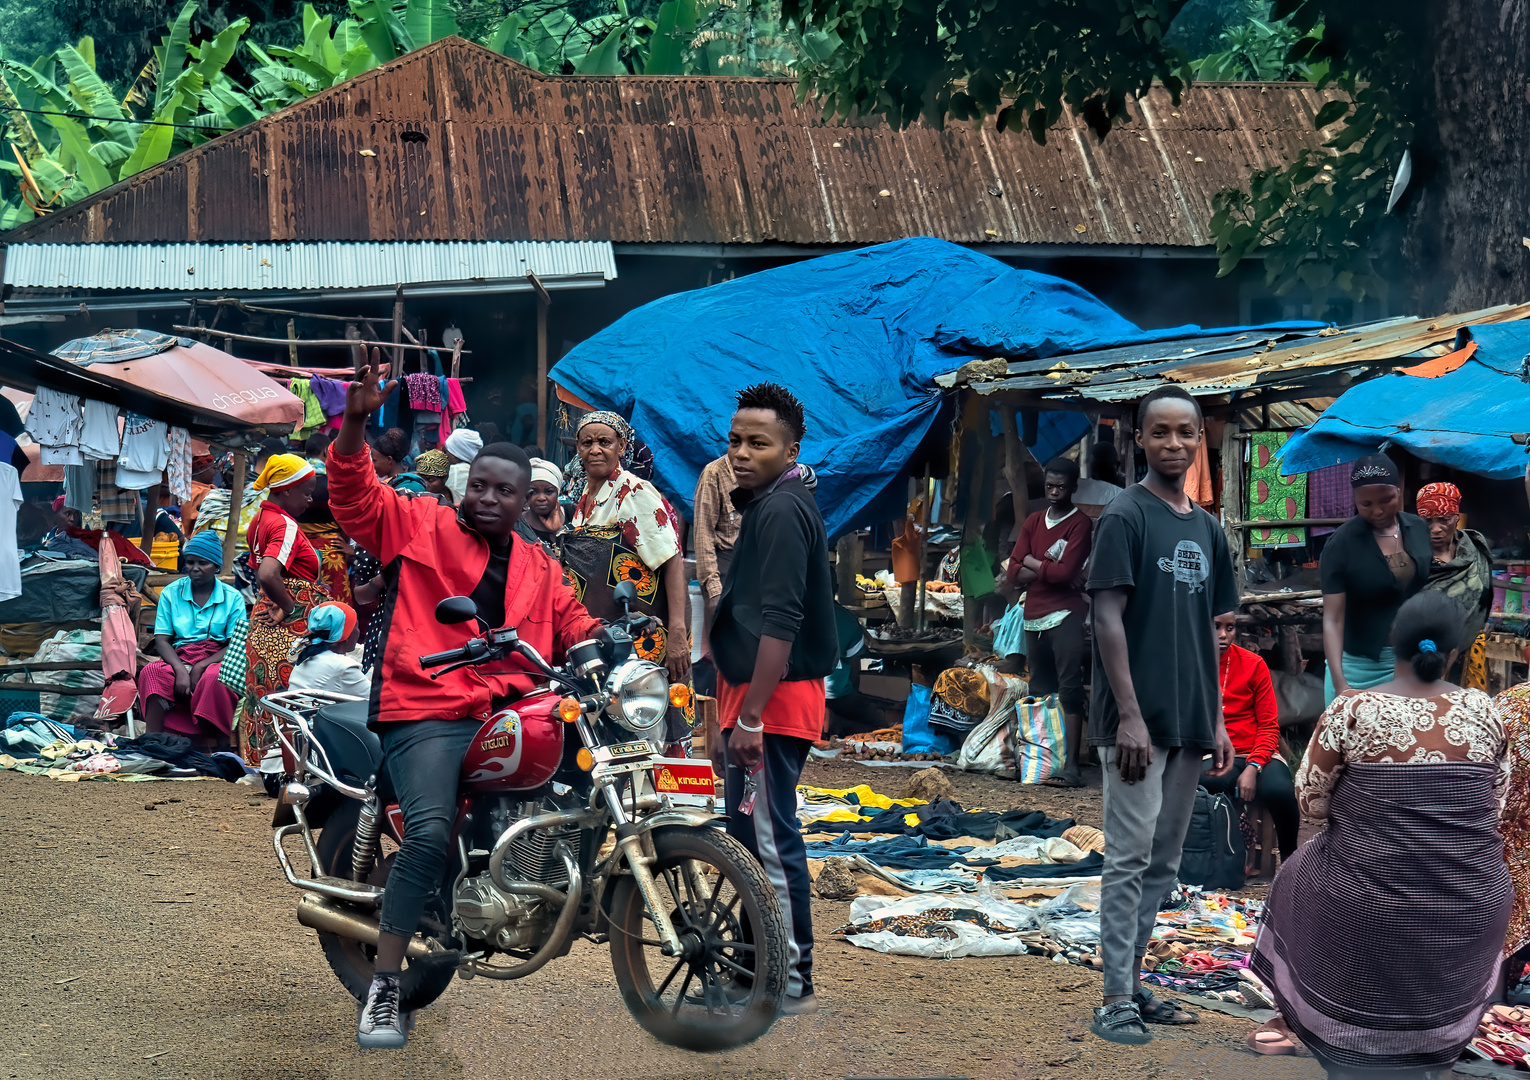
x,y
1214,854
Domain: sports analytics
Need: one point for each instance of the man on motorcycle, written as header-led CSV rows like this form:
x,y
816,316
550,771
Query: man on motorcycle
x,y
431,552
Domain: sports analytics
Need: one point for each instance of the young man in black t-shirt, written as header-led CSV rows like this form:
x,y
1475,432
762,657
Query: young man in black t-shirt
x,y
1161,574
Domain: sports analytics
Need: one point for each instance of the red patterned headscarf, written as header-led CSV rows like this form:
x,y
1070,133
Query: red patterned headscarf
x,y
1439,500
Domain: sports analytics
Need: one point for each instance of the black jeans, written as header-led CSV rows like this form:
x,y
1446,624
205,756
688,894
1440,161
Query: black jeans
x,y
1276,790
424,761
1056,661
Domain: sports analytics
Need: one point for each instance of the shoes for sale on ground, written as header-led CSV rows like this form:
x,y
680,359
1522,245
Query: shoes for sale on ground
x,y
381,1026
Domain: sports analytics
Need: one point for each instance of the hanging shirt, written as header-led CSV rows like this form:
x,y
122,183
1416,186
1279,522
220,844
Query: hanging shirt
x,y
275,534
178,616
57,421
145,452
178,469
100,440
10,561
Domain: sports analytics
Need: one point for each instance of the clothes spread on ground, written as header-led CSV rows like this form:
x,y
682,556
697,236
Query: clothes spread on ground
x,y
100,439
57,422
145,452
1178,572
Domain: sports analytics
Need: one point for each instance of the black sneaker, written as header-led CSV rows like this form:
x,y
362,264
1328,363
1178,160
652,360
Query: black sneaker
x,y
381,1026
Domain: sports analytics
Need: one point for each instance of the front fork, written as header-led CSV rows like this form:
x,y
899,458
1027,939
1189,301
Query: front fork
x,y
630,840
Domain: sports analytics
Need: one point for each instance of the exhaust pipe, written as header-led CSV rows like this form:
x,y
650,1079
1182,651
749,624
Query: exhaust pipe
x,y
319,914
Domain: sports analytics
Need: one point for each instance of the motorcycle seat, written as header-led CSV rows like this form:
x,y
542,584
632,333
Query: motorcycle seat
x,y
354,749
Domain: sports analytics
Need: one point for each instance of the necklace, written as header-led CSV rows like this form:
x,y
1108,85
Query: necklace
x,y
1226,670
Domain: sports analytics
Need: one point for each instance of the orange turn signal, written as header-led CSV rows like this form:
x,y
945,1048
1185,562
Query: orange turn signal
x,y
680,695
584,759
570,710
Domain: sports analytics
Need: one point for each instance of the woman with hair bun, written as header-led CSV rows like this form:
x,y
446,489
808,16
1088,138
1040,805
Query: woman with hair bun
x,y
1409,778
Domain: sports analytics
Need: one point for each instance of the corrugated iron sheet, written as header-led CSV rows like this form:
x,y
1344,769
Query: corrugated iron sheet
x,y
1242,367
453,142
182,266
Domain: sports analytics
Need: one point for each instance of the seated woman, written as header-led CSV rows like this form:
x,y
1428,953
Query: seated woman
x,y
1373,562
1461,567
287,575
624,530
1253,725
388,453
193,620
321,659
433,467
1383,934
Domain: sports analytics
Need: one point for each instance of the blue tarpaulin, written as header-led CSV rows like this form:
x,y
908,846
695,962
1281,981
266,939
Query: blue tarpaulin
x,y
1463,419
858,336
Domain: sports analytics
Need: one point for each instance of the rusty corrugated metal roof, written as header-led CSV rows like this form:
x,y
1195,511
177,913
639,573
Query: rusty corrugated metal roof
x,y
1307,366
472,146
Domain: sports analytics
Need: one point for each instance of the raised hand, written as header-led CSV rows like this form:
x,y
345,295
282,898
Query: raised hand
x,y
369,392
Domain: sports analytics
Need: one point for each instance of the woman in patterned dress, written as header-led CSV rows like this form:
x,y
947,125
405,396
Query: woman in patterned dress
x,y
287,571
624,530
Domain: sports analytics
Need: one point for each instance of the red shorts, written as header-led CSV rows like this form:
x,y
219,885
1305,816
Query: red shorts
x,y
796,708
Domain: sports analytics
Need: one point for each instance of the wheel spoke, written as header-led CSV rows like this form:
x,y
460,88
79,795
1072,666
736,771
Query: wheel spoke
x,y
667,979
739,968
684,986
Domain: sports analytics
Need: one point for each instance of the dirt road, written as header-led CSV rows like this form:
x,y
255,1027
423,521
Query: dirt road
x,y
160,944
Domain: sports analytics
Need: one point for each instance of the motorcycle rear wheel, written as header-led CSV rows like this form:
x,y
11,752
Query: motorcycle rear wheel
x,y
350,960
720,902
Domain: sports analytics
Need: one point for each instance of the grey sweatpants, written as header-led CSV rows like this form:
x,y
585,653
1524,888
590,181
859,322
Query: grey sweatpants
x,y
1145,825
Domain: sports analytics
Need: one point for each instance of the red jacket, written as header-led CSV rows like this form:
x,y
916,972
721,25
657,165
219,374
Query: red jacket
x,y
439,556
1248,705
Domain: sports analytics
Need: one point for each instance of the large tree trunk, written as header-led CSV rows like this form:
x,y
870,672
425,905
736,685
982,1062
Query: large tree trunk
x,y
1469,212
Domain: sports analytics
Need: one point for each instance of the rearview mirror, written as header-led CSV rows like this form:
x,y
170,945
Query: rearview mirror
x,y
625,594
456,609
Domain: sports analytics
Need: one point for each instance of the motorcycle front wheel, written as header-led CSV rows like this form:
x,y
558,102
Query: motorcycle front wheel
x,y
726,989
350,960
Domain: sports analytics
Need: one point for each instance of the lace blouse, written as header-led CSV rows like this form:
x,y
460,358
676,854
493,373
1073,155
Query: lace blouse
x,y
1369,726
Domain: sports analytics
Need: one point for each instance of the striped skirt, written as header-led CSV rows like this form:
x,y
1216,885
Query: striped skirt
x,y
1383,934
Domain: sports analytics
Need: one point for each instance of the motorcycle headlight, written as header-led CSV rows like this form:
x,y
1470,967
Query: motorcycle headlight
x,y
639,696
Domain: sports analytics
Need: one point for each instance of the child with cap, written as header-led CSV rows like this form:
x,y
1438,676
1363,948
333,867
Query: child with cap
x,y
322,658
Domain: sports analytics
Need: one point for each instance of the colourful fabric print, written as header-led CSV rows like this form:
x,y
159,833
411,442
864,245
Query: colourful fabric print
x,y
630,568
1271,496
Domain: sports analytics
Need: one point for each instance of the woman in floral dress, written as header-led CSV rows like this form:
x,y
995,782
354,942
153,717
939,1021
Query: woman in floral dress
x,y
624,530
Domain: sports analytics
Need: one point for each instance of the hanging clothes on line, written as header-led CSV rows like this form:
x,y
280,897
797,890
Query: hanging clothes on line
x,y
100,440
145,453
313,413
178,469
57,421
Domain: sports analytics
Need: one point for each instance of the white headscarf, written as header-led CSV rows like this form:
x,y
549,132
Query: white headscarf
x,y
464,444
546,471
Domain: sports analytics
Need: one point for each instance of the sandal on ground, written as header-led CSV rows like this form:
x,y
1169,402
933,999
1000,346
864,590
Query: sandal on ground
x,y
1120,1022
1156,1010
1068,778
1276,1039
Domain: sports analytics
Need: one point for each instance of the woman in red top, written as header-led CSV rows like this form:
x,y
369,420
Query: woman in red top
x,y
1253,725
287,569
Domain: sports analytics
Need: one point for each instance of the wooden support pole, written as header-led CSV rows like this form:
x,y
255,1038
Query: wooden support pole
x,y
1014,465
150,517
358,350
457,361
849,551
1126,451
544,301
235,512
396,357
1290,650
922,532
1232,498
970,475
292,357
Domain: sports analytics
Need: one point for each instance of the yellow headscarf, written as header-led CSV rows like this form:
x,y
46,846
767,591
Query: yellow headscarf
x,y
282,470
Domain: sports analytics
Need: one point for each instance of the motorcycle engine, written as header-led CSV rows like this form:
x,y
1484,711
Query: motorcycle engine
x,y
504,921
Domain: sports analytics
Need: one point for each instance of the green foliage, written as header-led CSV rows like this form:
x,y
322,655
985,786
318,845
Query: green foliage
x,y
1320,220
1021,62
1258,51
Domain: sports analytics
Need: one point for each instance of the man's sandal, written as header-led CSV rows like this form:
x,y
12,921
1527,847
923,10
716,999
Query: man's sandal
x,y
1157,1010
1120,1022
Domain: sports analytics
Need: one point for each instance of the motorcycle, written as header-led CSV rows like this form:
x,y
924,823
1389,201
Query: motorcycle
x,y
596,836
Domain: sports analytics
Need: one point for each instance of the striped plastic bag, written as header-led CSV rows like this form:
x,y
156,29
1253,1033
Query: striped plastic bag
x,y
1040,743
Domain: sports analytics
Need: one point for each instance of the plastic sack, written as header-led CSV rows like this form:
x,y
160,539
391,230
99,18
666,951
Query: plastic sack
x,y
1040,743
989,747
918,736
1009,632
1072,917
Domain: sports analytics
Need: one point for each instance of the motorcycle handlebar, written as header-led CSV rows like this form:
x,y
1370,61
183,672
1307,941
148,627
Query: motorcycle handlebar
x,y
437,659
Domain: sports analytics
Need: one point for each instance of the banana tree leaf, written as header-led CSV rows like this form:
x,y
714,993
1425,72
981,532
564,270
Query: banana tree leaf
x,y
155,143
109,152
313,69
676,26
172,56
49,94
90,90
236,107
428,20
358,58
506,38
74,142
213,56
605,58
375,29
319,47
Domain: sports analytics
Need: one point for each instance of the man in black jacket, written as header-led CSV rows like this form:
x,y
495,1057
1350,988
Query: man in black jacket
x,y
774,641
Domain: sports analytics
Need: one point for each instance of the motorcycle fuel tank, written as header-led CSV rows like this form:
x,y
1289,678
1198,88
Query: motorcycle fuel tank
x,y
517,749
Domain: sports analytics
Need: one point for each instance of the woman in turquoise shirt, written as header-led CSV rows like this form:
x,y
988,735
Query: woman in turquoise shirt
x,y
193,620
